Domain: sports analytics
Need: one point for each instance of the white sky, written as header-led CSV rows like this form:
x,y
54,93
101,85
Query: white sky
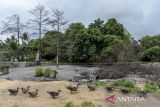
x,y
140,17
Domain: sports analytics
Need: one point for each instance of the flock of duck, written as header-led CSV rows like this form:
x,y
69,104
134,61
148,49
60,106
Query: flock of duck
x,y
54,94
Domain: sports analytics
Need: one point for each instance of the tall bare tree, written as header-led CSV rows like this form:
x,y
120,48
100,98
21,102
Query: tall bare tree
x,y
39,22
57,22
13,26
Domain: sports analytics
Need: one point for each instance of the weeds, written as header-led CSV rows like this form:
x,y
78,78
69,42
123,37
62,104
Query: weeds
x,y
122,83
87,104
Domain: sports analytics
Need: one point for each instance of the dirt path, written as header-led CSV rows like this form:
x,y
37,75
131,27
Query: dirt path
x,y
44,100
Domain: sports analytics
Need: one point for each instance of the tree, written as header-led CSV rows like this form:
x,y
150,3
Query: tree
x,y
57,22
39,21
25,37
73,30
151,48
82,49
98,24
50,47
13,26
151,54
112,27
12,46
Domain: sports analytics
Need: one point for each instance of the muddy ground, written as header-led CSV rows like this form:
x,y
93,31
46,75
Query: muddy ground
x,y
65,72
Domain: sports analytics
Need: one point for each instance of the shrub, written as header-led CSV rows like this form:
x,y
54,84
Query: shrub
x,y
47,72
150,87
122,83
38,72
4,70
69,104
87,104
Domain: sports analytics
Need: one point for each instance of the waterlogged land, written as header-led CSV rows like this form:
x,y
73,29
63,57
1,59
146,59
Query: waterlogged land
x,y
65,72
44,100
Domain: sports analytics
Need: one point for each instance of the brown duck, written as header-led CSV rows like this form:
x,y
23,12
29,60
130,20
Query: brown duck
x,y
92,88
25,90
72,88
13,91
54,94
33,93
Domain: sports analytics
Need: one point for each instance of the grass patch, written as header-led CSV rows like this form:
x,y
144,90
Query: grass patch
x,y
87,104
69,104
15,105
150,87
98,83
123,84
83,104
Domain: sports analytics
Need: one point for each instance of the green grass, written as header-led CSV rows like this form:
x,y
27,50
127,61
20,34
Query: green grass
x,y
150,87
87,104
123,84
69,104
98,83
83,104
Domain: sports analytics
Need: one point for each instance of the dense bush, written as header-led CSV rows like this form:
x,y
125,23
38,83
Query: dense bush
x,y
38,72
47,72
4,70
122,83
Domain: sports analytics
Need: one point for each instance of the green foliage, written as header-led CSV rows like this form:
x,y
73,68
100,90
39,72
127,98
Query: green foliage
x,y
150,87
82,49
47,72
151,45
112,27
69,104
150,41
123,83
87,104
73,30
38,72
98,83
4,70
104,42
151,54
97,24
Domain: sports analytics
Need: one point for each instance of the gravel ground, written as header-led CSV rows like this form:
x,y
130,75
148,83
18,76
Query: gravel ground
x,y
65,72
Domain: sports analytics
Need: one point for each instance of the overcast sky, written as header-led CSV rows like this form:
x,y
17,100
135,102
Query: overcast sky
x,y
140,17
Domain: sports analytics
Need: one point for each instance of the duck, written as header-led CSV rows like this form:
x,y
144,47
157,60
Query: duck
x,y
109,89
13,91
25,90
125,91
91,88
33,93
54,94
72,88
